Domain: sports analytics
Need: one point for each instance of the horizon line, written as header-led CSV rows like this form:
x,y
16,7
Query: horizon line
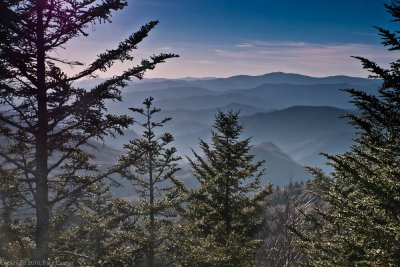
x,y
237,75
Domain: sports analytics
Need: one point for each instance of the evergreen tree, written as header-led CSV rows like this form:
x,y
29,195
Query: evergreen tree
x,y
224,215
47,120
12,232
361,224
97,232
151,166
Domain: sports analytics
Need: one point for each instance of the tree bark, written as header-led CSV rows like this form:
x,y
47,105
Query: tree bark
x,y
41,252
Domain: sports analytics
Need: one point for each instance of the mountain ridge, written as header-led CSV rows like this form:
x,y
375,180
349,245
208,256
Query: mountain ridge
x,y
236,81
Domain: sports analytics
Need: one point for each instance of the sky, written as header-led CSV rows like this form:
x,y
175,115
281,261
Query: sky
x,y
222,38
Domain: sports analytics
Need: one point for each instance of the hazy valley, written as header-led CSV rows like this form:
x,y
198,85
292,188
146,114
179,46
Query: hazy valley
x,y
290,118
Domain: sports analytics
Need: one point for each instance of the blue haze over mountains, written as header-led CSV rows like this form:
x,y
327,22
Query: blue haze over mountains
x,y
291,118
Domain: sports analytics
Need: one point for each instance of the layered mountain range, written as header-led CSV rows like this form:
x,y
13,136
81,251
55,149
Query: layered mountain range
x,y
290,118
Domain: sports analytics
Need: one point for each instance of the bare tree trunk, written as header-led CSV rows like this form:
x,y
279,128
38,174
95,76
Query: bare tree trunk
x,y
41,253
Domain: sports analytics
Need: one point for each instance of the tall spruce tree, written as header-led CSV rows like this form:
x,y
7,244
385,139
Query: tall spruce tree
x,y
223,215
45,119
151,165
361,224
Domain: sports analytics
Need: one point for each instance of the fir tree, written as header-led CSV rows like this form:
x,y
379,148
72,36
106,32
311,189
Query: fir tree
x,y
97,232
12,232
360,225
223,215
151,166
47,120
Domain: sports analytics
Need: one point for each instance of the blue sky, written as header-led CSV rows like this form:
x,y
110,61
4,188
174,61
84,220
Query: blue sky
x,y
222,38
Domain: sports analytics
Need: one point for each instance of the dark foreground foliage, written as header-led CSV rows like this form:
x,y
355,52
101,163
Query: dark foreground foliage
x,y
361,224
46,121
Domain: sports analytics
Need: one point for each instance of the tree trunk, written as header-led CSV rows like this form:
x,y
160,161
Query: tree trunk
x,y
152,225
41,253
227,211
152,233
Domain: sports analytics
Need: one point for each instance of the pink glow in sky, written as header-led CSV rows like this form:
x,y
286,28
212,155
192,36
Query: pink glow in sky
x,y
226,38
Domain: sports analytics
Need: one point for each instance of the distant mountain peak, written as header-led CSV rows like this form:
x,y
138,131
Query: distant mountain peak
x,y
281,73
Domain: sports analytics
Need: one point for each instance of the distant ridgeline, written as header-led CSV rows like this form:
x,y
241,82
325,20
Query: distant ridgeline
x,y
291,118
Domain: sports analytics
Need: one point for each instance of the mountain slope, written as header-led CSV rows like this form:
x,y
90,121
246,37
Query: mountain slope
x,y
295,124
136,98
280,168
212,101
206,116
286,95
308,152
